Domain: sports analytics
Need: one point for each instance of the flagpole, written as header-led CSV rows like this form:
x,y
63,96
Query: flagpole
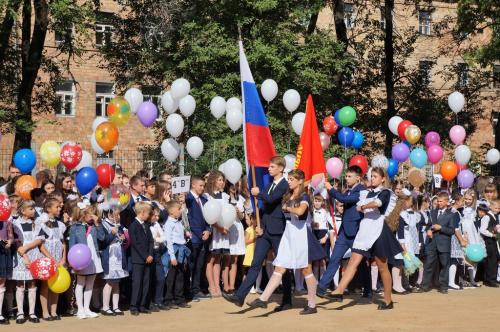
x,y
256,202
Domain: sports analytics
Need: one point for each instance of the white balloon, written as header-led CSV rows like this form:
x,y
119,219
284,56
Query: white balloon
x,y
170,149
291,100
168,103
462,154
135,98
234,118
221,167
456,101
175,125
233,170
180,88
380,161
194,147
97,149
394,123
233,102
86,160
97,121
492,156
187,105
269,89
218,107
227,216
290,162
212,211
298,122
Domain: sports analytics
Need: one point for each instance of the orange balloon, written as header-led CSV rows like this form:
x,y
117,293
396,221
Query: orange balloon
x,y
448,170
24,185
106,135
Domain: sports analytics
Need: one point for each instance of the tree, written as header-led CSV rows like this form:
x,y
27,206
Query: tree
x,y
24,59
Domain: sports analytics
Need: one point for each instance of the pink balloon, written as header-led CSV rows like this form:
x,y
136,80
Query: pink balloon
x,y
432,138
434,154
334,167
325,140
457,134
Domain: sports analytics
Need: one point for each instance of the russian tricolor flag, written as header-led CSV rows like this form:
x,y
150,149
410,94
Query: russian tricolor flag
x,y
257,139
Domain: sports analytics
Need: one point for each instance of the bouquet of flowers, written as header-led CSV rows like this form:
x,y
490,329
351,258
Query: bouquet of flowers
x,y
412,263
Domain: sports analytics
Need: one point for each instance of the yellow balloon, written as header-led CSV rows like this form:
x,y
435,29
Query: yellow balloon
x,y
50,152
60,282
412,134
118,111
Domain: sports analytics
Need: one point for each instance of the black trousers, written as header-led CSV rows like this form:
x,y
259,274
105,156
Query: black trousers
x,y
140,285
490,262
433,256
196,263
175,283
159,280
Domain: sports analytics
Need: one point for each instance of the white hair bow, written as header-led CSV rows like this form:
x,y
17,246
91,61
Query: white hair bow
x,y
82,205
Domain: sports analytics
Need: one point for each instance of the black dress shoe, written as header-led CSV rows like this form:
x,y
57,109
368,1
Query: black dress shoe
x,y
118,312
308,311
257,303
384,306
33,319
423,290
48,319
182,304
163,307
334,297
144,311
443,291
321,293
134,312
233,299
4,321
283,307
108,312
154,308
490,284
56,317
20,319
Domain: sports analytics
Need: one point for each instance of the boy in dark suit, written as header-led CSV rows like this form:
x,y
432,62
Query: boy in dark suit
x,y
269,234
141,249
440,229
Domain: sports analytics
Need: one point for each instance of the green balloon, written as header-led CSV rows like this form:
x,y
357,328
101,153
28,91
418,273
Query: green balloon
x,y
347,116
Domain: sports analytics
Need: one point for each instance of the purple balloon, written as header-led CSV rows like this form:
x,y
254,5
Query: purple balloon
x,y
400,152
465,179
79,257
432,138
147,112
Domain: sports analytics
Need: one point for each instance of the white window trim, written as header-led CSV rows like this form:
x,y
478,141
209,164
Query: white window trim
x,y
103,97
466,72
424,29
352,17
62,95
101,28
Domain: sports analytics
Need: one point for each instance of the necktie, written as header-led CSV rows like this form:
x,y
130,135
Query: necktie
x,y
199,202
272,188
138,199
440,213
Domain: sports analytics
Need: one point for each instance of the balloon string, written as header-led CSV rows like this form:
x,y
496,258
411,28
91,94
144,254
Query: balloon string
x,y
213,154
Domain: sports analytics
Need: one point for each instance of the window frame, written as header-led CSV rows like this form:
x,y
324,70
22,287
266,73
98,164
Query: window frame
x,y
62,94
425,26
462,74
104,38
425,80
103,96
349,20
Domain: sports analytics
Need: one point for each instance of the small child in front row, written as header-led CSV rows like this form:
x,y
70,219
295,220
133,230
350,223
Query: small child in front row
x,y
179,253
250,238
159,270
322,222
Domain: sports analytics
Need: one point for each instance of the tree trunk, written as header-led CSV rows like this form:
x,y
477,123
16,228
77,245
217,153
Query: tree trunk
x,y
389,75
338,18
31,56
6,28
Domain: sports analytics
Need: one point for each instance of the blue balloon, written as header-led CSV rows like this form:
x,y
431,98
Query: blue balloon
x,y
25,160
346,136
86,180
408,144
337,119
358,140
393,168
418,157
475,252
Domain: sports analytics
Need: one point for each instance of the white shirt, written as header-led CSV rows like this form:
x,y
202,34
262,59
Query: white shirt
x,y
275,184
483,229
158,234
321,219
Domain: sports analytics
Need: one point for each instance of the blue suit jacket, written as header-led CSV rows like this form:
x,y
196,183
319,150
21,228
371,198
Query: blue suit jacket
x,y
195,216
351,216
273,219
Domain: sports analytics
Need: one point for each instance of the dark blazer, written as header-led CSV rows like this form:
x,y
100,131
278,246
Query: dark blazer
x,y
110,238
141,242
128,214
441,239
195,216
351,216
273,219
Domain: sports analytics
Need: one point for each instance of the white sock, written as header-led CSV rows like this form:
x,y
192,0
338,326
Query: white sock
x,y
299,280
311,283
2,292
272,284
451,275
106,295
19,300
474,268
32,300
396,280
336,278
80,283
116,296
420,275
87,294
374,274
259,279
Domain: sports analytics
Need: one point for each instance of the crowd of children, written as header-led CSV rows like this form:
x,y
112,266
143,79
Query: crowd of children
x,y
160,254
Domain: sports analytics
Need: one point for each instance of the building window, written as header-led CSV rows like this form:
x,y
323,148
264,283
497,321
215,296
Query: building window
x,y
349,15
382,17
103,95
424,22
496,76
103,34
65,91
152,94
463,75
424,68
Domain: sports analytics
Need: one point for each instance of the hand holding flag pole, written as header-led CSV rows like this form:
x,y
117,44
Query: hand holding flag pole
x,y
255,200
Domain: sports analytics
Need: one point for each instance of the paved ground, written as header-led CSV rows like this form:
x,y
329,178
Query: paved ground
x,y
468,310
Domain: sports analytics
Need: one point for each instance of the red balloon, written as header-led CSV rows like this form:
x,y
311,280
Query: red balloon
x,y
105,175
402,127
330,127
71,155
5,207
43,268
360,161
461,167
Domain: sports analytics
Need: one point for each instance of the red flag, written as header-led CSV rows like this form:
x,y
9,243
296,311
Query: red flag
x,y
309,157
